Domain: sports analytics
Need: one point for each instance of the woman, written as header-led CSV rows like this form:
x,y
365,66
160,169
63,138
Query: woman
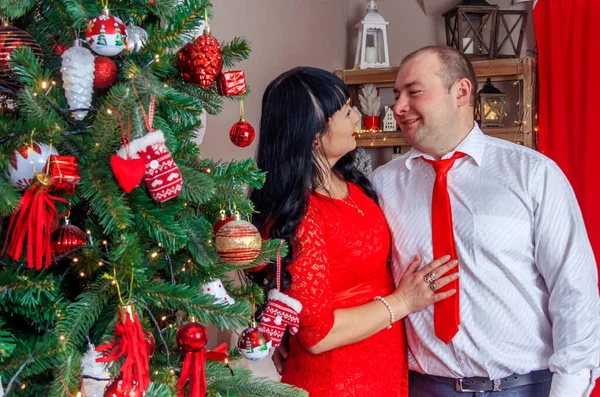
x,y
349,342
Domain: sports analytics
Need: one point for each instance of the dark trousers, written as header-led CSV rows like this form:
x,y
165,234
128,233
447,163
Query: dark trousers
x,y
423,386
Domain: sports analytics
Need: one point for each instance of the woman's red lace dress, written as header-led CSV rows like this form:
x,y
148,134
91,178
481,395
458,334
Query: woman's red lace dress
x,y
342,262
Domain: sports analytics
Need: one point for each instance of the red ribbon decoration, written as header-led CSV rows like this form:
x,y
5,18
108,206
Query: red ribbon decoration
x,y
193,369
219,353
132,344
35,218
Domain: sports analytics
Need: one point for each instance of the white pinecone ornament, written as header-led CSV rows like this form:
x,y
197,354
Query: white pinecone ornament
x,y
78,78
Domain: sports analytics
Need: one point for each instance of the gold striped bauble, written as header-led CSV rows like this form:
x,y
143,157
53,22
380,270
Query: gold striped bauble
x,y
238,242
12,38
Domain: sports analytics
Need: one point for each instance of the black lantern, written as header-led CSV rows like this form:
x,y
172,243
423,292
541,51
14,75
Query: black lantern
x,y
490,106
471,28
510,32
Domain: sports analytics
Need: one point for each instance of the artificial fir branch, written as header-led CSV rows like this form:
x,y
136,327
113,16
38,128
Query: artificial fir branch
x,y
235,51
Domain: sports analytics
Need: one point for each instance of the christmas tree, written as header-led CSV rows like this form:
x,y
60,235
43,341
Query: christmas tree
x,y
125,274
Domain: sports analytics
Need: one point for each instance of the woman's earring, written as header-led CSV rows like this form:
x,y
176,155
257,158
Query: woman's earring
x,y
316,143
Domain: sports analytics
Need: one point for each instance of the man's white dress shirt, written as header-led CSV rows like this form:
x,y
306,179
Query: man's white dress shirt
x,y
528,278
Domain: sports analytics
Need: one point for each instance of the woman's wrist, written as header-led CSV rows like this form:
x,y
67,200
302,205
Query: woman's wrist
x,y
398,305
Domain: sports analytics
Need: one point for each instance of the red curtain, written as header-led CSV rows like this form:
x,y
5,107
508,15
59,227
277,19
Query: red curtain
x,y
568,40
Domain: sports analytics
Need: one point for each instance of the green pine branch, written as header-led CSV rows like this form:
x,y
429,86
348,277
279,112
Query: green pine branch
x,y
243,384
14,9
235,51
79,316
158,293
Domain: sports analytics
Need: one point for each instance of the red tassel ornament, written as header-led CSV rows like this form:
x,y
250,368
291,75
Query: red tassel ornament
x,y
191,339
35,218
129,341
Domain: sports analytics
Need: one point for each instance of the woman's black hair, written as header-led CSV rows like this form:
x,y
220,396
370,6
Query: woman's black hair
x,y
296,109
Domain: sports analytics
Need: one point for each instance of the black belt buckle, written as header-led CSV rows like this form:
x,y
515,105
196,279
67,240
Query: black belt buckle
x,y
460,388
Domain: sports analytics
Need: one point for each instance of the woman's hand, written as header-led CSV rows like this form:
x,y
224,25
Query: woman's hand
x,y
416,290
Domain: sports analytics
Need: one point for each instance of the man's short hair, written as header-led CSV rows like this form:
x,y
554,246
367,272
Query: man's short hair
x,y
453,66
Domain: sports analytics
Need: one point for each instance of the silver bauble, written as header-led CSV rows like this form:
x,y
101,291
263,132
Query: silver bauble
x,y
136,38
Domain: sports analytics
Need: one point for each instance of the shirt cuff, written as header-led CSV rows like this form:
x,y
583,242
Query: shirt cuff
x,y
571,385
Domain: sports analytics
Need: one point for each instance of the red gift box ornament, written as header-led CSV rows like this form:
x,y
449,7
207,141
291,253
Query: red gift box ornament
x,y
231,83
64,172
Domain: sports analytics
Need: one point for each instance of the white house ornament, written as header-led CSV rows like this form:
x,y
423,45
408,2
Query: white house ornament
x,y
95,376
106,34
216,289
27,161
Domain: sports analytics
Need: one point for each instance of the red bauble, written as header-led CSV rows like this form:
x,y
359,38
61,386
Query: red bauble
x,y
242,133
254,344
114,389
238,242
256,268
12,38
105,72
66,238
191,337
150,343
200,61
223,219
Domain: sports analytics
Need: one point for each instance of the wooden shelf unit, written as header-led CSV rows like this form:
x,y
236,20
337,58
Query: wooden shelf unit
x,y
521,69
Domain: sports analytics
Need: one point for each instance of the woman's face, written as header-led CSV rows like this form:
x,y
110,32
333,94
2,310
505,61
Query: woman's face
x,y
340,136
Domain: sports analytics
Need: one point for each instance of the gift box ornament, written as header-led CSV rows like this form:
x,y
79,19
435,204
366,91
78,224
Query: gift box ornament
x,y
64,172
231,83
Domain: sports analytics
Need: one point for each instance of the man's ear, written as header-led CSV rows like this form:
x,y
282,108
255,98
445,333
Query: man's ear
x,y
463,92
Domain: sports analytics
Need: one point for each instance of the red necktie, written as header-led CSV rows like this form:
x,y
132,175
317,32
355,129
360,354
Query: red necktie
x,y
446,315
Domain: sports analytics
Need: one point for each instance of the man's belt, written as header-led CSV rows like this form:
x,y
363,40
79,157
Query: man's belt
x,y
479,384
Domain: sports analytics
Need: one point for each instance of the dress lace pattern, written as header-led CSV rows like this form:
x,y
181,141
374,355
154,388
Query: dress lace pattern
x,y
342,261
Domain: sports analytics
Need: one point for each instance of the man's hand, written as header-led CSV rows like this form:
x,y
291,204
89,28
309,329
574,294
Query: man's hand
x,y
280,354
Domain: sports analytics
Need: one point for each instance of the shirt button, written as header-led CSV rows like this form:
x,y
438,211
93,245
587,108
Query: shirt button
x,y
154,164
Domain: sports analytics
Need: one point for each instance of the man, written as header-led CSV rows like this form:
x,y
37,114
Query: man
x,y
526,321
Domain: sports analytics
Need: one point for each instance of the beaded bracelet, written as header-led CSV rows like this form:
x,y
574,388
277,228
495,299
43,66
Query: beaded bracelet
x,y
392,317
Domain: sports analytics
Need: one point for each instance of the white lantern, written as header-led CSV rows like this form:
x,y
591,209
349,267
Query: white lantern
x,y
372,46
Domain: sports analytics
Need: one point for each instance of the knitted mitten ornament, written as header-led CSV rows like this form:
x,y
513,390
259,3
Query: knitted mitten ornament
x,y
281,312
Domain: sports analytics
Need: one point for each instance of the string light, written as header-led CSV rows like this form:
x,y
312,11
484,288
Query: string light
x,y
109,111
44,85
208,171
114,282
78,394
160,244
75,260
154,254
183,269
104,242
189,261
100,263
82,274
62,338
23,386
163,318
